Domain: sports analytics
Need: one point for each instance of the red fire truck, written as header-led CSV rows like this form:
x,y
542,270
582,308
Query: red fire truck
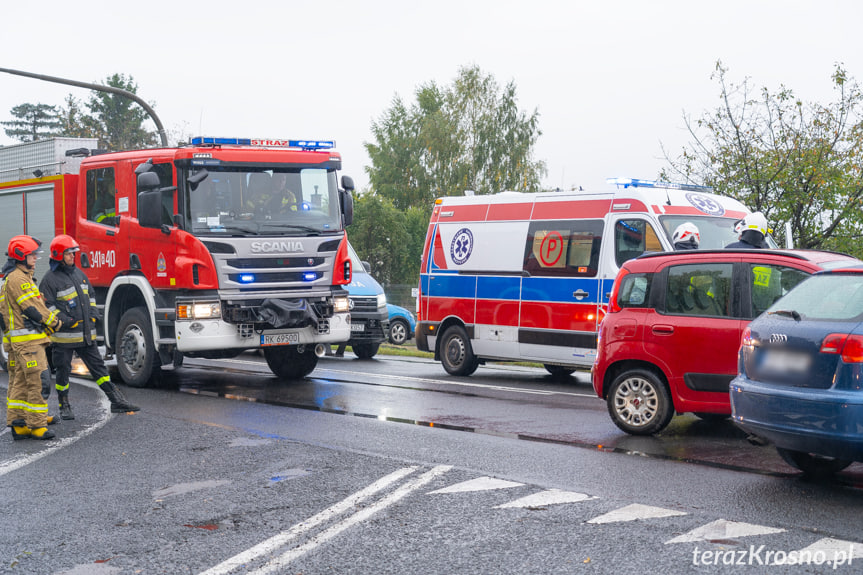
x,y
204,250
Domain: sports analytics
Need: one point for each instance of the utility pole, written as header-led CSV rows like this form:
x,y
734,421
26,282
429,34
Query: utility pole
x,y
100,88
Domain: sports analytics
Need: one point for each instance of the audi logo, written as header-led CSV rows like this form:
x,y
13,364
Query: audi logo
x,y
778,338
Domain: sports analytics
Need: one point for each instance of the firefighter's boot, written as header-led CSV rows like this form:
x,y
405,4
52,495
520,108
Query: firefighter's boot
x,y
119,403
20,430
65,408
41,433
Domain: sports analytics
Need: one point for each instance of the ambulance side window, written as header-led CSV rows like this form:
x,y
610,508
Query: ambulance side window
x,y
101,190
632,238
563,248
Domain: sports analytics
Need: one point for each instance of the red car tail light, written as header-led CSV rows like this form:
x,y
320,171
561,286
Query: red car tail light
x,y
833,343
852,351
613,306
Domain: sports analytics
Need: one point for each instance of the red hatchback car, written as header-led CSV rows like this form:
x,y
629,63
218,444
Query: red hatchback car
x,y
670,339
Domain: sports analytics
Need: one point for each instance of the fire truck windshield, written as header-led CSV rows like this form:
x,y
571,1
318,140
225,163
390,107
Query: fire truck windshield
x,y
716,232
243,201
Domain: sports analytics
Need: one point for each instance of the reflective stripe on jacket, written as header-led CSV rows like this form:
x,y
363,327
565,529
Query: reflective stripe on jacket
x,y
21,293
67,292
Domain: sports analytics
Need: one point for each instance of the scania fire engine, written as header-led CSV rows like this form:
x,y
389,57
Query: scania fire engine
x,y
204,250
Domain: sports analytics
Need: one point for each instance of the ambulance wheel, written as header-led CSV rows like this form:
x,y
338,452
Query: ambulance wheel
x,y
639,402
291,362
558,370
456,354
137,358
366,350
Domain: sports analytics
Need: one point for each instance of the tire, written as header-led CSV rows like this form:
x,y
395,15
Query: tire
x,y
639,402
558,370
291,362
811,464
137,359
366,350
399,332
456,354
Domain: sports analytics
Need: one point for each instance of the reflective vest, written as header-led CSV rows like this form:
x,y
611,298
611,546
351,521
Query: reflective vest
x,y
22,295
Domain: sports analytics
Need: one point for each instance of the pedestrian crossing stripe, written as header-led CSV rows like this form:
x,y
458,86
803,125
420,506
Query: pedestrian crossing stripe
x,y
723,529
634,512
478,484
548,497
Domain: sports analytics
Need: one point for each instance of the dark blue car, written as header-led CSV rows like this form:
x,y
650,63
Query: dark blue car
x,y
800,381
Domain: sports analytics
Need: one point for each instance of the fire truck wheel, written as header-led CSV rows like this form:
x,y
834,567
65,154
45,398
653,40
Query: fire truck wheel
x,y
137,360
294,362
456,354
366,350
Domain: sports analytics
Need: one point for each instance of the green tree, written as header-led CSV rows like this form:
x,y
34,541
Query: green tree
x,y
796,162
32,122
379,236
469,135
119,119
73,122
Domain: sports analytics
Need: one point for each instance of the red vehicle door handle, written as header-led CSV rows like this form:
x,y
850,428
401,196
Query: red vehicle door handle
x,y
663,329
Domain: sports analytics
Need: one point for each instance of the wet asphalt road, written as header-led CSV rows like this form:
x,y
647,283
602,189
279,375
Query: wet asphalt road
x,y
392,466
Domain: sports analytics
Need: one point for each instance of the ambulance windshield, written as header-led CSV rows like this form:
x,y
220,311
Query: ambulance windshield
x,y
243,201
716,232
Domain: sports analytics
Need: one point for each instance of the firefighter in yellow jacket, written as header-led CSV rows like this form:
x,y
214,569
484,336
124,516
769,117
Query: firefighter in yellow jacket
x,y
28,324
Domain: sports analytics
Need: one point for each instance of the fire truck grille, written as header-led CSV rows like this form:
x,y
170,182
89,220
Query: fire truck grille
x,y
249,313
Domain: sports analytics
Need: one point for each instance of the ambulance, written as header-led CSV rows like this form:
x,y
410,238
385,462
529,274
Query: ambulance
x,y
527,277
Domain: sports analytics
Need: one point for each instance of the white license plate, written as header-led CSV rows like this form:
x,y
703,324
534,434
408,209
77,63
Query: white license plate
x,y
358,327
784,361
280,339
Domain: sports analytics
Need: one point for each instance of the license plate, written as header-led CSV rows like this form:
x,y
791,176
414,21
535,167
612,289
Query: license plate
x,y
280,339
358,327
784,361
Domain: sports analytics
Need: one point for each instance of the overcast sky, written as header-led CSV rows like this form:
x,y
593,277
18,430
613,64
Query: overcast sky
x,y
611,79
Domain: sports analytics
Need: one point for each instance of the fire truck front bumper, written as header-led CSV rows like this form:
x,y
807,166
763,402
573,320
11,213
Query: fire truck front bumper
x,y
211,334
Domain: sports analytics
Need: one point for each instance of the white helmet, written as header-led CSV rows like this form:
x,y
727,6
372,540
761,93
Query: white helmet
x,y
686,232
755,221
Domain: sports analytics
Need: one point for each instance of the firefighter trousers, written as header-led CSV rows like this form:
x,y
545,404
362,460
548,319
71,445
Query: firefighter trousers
x,y
25,387
91,357
12,412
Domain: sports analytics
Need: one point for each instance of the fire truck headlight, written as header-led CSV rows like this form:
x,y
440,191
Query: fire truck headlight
x,y
199,310
382,300
341,305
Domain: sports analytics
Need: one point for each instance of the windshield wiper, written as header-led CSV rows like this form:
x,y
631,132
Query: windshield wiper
x,y
245,230
788,312
307,229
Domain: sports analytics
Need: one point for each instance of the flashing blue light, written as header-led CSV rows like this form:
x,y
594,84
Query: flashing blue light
x,y
247,278
305,206
264,142
635,183
310,276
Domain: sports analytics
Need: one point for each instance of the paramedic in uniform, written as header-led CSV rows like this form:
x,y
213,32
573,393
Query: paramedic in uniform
x,y
68,293
28,322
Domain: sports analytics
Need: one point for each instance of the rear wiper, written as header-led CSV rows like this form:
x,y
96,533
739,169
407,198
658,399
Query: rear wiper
x,y
788,312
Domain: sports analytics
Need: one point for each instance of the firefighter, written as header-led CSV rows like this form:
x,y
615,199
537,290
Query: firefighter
x,y
29,323
753,231
68,293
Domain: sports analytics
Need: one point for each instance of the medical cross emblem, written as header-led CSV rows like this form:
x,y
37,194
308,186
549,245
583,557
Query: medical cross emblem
x,y
461,247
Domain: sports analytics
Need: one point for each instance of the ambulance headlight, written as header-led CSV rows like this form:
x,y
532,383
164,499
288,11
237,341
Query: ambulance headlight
x,y
199,310
382,300
341,305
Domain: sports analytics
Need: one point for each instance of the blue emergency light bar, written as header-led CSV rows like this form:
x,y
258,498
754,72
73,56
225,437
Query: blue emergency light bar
x,y
265,143
635,183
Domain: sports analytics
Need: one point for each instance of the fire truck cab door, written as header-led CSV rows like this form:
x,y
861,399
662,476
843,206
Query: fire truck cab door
x,y
97,225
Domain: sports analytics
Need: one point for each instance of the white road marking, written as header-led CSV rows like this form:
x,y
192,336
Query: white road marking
x,y
55,444
478,484
435,381
723,529
548,497
634,512
276,541
282,561
183,488
833,547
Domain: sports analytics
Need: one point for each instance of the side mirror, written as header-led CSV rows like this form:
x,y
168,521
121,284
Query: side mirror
x,y
145,167
150,207
348,183
367,267
347,206
197,178
148,181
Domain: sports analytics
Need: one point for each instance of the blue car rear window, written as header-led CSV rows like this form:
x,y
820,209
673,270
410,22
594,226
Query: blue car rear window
x,y
828,297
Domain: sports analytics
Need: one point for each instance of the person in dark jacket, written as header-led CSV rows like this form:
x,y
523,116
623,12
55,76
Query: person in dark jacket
x,y
753,231
67,291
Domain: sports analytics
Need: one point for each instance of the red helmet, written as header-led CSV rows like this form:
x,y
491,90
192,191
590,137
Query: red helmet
x,y
22,246
62,244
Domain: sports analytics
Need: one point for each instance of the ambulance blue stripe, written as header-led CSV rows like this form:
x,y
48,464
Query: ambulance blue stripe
x,y
492,287
452,285
559,289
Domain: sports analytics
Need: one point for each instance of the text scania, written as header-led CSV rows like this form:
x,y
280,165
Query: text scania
x,y
276,247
